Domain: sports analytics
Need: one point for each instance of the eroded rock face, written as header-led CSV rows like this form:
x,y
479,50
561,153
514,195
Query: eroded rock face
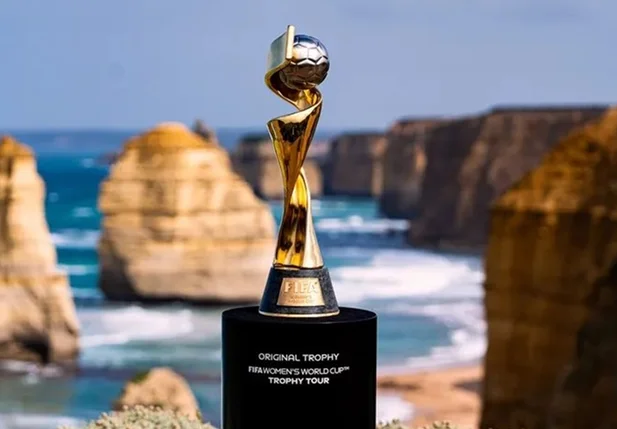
x,y
354,165
179,224
254,159
37,315
404,163
551,290
159,387
471,161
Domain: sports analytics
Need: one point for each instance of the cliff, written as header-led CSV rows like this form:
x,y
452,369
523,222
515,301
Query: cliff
x,y
404,162
254,159
37,315
471,161
551,290
179,224
354,165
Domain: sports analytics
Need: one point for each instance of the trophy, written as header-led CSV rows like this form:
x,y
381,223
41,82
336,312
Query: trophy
x,y
298,360
299,284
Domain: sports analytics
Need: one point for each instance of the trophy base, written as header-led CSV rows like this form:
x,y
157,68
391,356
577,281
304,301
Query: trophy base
x,y
304,292
302,373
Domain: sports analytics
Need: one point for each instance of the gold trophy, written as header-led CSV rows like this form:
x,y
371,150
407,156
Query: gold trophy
x,y
299,284
271,353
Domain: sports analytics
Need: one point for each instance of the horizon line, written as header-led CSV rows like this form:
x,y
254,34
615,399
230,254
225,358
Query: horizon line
x,y
4,130
493,108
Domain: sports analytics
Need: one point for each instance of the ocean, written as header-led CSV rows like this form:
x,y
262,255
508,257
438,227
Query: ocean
x,y
429,303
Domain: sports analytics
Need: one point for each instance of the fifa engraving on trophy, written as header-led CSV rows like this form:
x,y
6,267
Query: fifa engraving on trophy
x,y
300,292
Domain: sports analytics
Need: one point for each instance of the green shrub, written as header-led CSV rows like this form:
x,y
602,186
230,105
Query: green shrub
x,y
140,417
156,418
392,425
397,425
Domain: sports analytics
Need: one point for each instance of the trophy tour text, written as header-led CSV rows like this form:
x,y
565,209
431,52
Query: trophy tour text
x,y
298,375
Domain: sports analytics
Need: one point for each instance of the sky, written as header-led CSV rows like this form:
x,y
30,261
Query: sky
x,y
128,64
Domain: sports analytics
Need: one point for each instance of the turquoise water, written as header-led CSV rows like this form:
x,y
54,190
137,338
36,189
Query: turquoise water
x,y
428,303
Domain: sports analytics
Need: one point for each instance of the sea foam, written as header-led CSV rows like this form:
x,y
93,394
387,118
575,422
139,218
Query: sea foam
x,y
393,407
445,288
37,421
174,335
357,224
83,212
407,273
78,270
75,238
105,326
467,333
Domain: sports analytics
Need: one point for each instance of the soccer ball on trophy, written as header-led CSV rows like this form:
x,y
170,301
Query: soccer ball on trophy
x,y
309,64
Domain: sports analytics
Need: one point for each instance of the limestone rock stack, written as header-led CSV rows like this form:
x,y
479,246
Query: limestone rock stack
x,y
38,321
159,387
551,290
404,163
354,166
179,224
254,159
471,161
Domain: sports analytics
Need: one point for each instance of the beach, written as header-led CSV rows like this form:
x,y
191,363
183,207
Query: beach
x,y
451,394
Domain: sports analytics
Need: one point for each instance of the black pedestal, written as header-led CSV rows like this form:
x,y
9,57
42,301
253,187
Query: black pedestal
x,y
301,373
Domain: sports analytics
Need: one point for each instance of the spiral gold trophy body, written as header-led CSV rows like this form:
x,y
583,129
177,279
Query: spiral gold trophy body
x,y
299,284
298,360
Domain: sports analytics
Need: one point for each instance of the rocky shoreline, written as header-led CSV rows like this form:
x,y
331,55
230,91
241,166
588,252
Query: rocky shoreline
x,y
533,189
442,173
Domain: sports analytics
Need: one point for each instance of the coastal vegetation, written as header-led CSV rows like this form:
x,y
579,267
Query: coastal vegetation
x,y
156,418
